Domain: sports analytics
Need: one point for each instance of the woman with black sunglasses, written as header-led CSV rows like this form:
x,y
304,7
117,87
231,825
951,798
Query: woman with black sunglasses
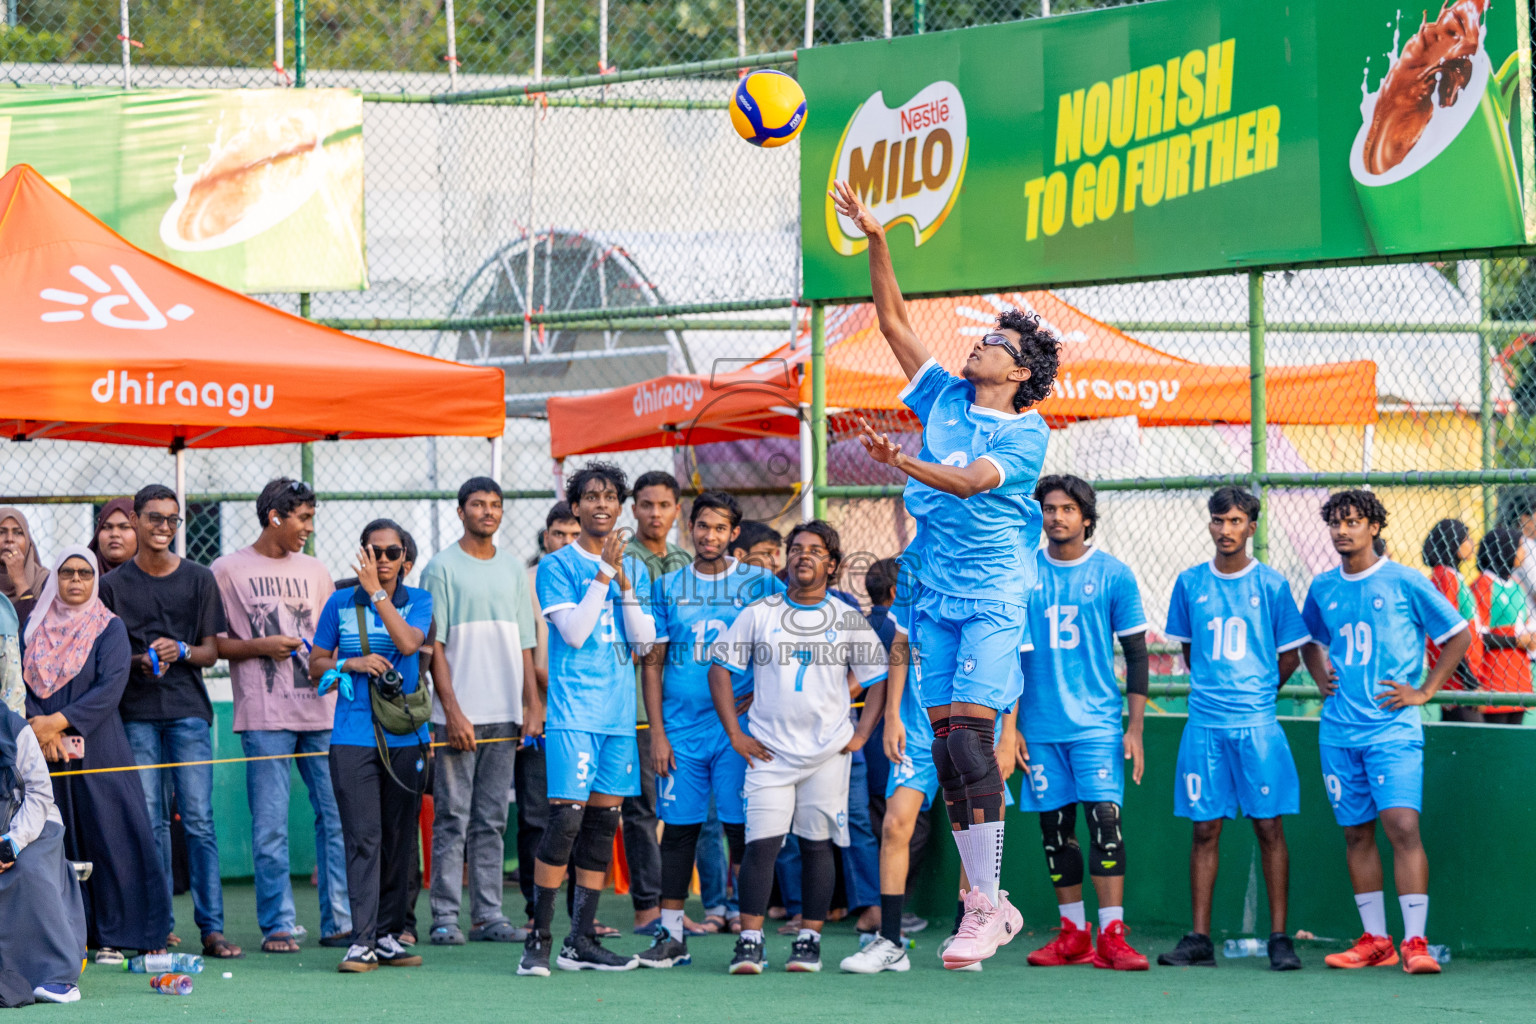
x,y
376,774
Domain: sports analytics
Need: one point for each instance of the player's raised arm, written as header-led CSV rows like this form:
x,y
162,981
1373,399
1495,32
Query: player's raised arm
x,y
889,305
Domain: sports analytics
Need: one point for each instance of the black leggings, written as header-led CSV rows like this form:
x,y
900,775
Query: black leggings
x,y
378,817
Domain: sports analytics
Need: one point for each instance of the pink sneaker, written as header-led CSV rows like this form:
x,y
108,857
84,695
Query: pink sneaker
x,y
982,930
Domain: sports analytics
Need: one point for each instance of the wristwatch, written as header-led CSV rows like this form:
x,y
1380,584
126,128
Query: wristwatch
x,y
379,595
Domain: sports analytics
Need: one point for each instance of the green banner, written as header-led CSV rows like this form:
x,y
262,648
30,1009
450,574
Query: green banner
x,y
260,190
1167,138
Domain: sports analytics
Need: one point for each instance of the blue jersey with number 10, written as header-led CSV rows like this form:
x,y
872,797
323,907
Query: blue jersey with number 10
x,y
1374,624
982,547
1236,625
692,613
1078,608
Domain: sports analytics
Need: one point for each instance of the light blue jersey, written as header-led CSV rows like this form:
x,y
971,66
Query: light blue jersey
x,y
983,547
1374,625
1237,625
1077,610
591,687
692,612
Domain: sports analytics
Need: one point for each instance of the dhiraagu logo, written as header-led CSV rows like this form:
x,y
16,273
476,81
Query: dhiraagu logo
x,y
905,162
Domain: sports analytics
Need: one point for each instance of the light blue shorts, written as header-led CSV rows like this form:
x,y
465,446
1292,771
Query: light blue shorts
x,y
915,771
583,763
1085,771
969,650
1363,781
1222,772
706,766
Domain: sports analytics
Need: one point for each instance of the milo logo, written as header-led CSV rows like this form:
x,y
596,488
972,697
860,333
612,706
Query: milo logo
x,y
905,162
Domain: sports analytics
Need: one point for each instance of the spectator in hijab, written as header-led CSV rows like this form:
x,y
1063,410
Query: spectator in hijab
x,y
114,541
21,573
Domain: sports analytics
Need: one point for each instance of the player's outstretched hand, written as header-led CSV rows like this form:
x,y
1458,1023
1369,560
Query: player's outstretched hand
x,y
748,747
1135,753
895,741
662,760
851,206
1396,696
881,448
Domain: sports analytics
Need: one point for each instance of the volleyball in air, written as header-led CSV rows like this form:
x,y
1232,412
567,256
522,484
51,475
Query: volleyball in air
x,y
768,108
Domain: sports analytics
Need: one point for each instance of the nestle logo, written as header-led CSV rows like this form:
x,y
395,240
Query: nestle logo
x,y
924,115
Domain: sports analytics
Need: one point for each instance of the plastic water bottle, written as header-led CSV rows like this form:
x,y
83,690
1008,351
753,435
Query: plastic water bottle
x,y
1442,954
1233,948
172,984
161,963
865,938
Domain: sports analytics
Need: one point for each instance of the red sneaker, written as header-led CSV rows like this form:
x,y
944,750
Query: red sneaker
x,y
1368,951
1072,945
1416,958
1114,953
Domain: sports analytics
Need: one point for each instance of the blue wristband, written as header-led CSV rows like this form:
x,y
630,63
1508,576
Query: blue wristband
x,y
182,649
154,661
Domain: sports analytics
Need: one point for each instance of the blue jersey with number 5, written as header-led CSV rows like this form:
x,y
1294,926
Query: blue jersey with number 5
x,y
1078,608
1236,625
692,613
1374,624
591,687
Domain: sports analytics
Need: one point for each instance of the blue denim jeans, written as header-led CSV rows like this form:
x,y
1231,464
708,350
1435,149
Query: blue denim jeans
x,y
861,857
176,740
714,868
268,784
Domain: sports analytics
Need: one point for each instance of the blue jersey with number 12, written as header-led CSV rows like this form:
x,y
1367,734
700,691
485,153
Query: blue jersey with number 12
x,y
1374,624
692,613
1078,608
1236,625
982,547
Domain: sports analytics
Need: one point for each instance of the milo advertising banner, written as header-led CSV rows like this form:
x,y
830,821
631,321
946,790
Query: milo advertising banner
x,y
260,190
1165,138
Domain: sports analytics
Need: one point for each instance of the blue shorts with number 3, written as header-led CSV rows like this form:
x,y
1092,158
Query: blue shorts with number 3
x,y
1224,771
1086,771
582,763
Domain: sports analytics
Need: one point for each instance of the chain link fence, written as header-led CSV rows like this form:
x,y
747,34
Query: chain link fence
x,y
542,203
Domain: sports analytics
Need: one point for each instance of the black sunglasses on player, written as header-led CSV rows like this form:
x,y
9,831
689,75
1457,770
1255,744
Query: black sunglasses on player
x,y
1001,340
393,553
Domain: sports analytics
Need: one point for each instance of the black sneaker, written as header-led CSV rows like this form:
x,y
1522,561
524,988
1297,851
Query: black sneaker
x,y
749,958
666,951
535,962
584,953
804,957
392,954
1193,950
359,960
1282,954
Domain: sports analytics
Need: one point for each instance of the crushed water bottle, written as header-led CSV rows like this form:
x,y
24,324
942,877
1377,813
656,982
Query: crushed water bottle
x,y
171,984
1442,954
1233,948
162,963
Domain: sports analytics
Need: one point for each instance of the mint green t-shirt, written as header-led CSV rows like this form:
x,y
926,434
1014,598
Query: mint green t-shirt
x,y
484,615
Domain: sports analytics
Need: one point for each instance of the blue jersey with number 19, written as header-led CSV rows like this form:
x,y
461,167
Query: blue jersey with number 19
x,y
982,547
692,613
1374,624
1236,624
1078,608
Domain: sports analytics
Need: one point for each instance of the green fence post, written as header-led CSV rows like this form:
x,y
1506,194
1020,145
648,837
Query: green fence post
x,y
917,17
1485,385
1260,441
818,408
299,56
306,450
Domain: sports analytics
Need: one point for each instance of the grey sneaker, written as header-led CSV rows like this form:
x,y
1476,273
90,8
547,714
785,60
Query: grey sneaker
x,y
911,924
585,953
666,951
804,957
535,962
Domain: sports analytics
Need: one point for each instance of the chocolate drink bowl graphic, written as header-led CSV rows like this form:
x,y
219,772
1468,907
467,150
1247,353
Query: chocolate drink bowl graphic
x,y
256,179
1432,162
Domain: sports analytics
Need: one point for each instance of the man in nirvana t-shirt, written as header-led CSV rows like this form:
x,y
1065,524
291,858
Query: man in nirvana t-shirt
x,y
172,610
272,594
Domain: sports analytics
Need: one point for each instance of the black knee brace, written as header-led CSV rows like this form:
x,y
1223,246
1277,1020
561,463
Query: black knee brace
x,y
970,751
560,834
678,844
755,884
1063,857
594,845
950,782
735,840
1106,849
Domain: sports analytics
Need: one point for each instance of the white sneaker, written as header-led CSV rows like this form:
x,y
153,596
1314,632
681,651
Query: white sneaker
x,y
880,955
56,993
945,945
983,929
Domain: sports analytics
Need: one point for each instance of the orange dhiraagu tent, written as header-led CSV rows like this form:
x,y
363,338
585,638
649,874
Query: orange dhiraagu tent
x,y
104,342
1103,373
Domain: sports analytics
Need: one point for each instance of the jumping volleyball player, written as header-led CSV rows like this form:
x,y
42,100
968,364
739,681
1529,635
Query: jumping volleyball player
x,y
971,491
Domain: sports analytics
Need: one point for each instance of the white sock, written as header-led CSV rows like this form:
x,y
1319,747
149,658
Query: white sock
x,y
1373,912
1074,912
806,933
981,852
1415,914
672,921
1109,915
752,934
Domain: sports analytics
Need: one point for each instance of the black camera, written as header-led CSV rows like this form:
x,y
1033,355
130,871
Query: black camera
x,y
390,684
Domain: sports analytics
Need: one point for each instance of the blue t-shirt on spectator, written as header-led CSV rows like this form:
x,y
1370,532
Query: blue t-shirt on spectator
x,y
337,632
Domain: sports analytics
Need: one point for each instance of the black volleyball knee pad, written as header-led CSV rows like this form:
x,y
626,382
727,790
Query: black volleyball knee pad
x,y
560,834
1106,848
594,844
969,745
1063,857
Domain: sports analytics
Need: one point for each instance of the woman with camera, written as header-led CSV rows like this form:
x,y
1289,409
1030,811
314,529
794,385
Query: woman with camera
x,y
366,646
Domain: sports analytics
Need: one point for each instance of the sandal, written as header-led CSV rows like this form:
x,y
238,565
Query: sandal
x,y
172,940
446,935
109,957
498,931
735,925
790,927
713,924
602,931
217,947
280,942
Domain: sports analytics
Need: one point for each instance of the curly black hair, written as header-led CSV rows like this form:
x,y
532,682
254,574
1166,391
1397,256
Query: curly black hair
x,y
1039,352
1362,503
596,471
